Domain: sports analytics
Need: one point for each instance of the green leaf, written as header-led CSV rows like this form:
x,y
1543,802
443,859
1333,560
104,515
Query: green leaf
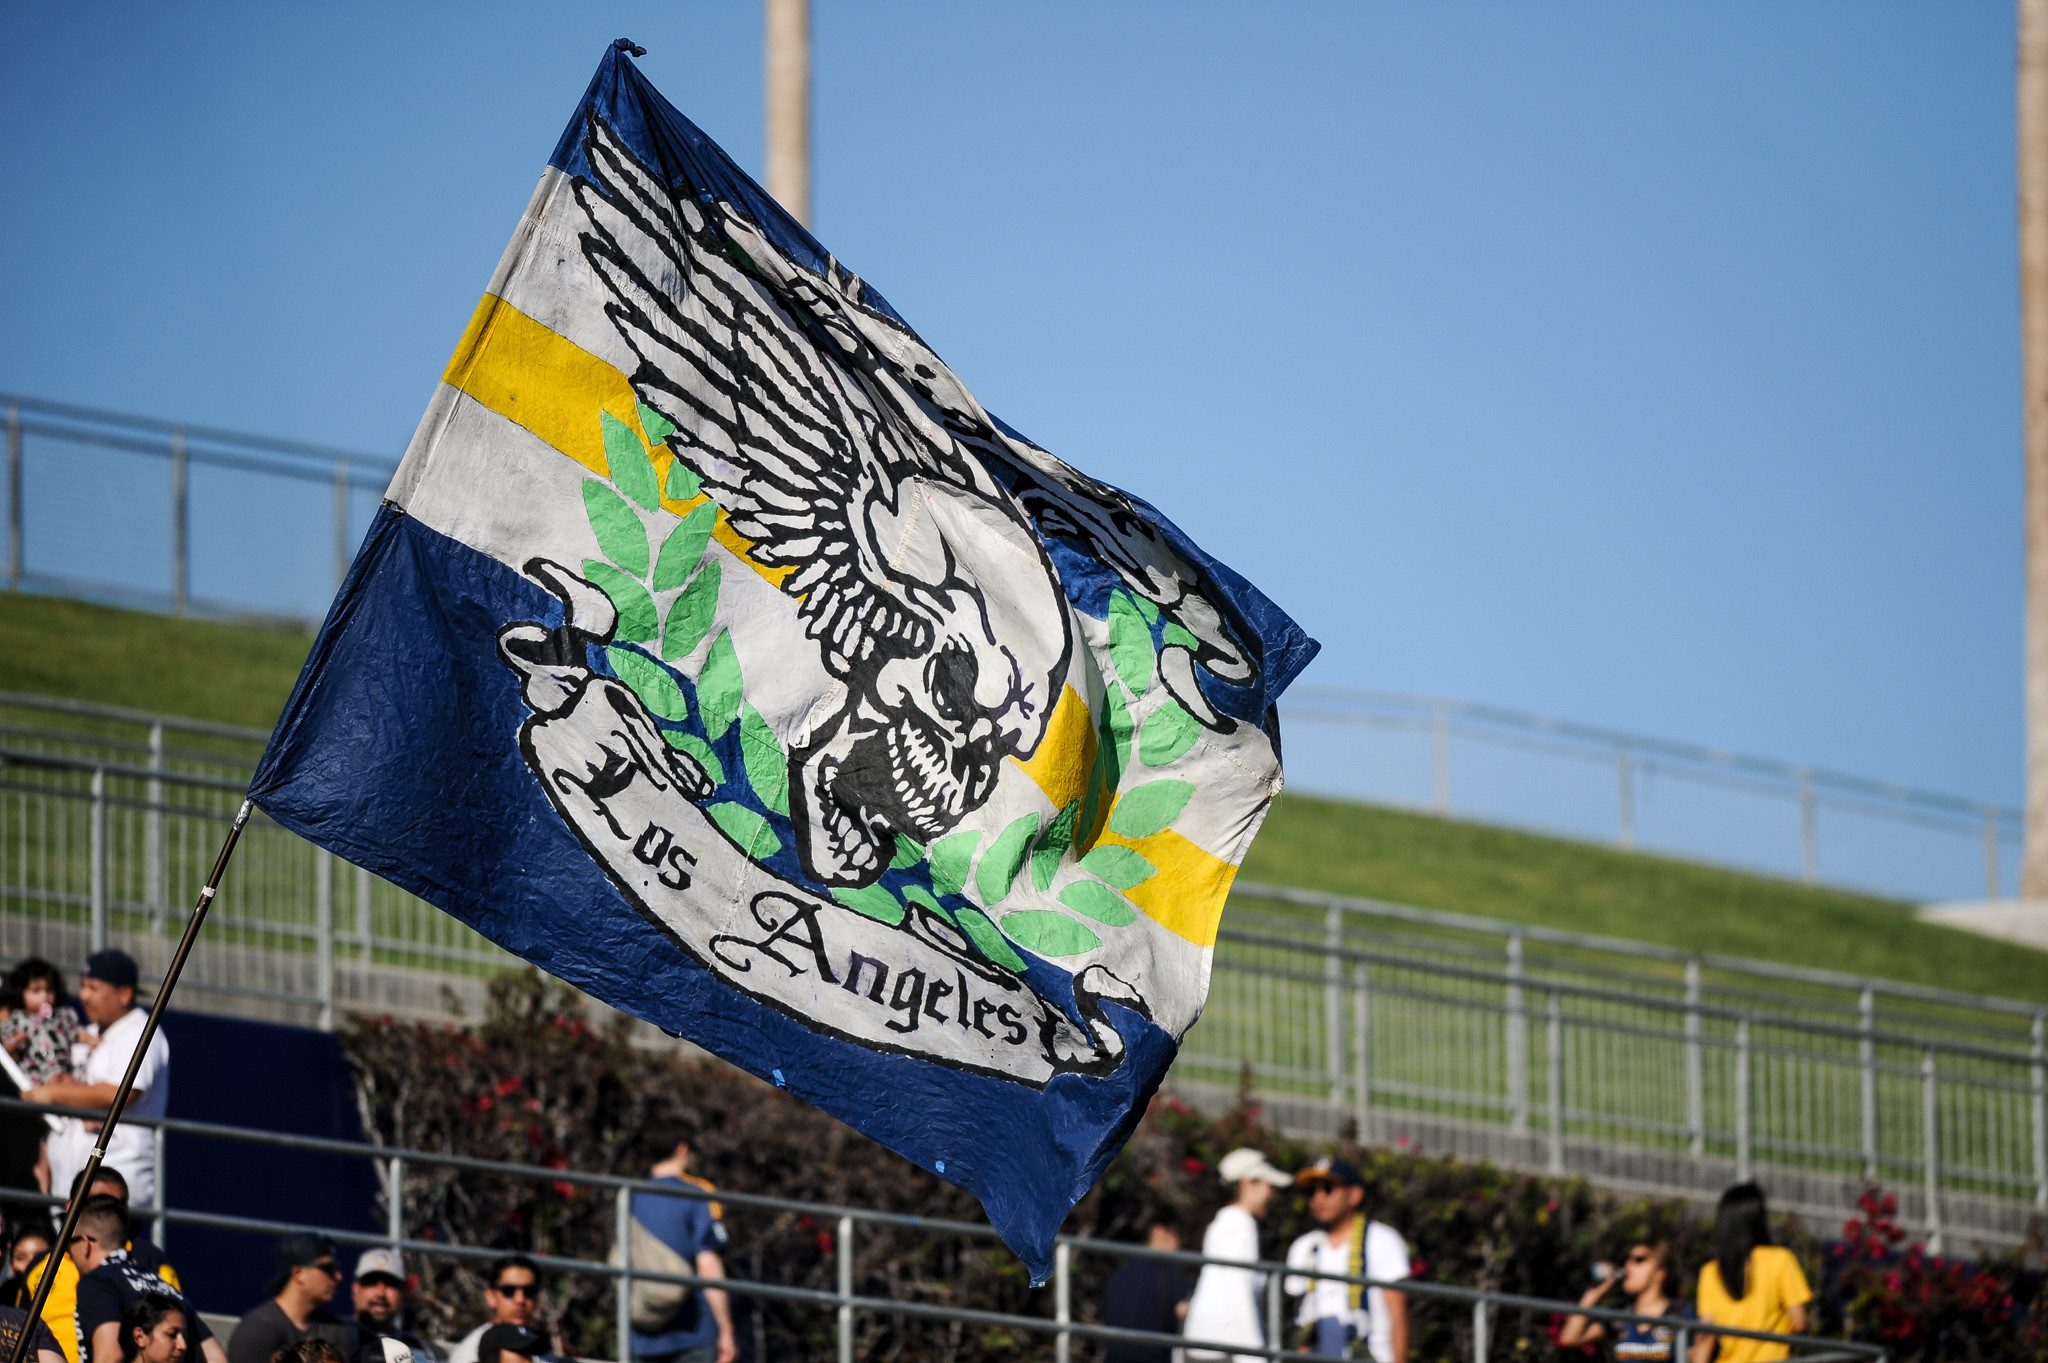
x,y
1048,933
637,620
699,749
689,615
1099,902
1130,643
746,828
1004,858
1145,608
909,852
1120,866
1174,634
657,426
683,482
950,858
1052,845
617,527
767,768
683,550
1112,755
1168,732
626,458
718,688
990,939
918,894
872,900
1150,807
651,682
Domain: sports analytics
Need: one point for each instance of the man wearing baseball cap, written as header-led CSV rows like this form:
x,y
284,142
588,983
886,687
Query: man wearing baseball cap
x,y
510,1344
107,993
380,1289
1336,1315
1225,1307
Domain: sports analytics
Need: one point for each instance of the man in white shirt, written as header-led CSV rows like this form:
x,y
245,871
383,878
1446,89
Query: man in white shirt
x,y
1225,1307
1335,1315
107,993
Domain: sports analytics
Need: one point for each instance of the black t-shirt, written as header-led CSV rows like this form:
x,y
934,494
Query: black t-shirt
x,y
11,1320
266,1328
106,1292
1142,1295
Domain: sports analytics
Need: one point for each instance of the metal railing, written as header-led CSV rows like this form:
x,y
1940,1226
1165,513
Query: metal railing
x,y
1589,781
1637,1065
1485,1307
46,442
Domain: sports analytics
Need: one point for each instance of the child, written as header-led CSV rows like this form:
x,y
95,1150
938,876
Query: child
x,y
41,1034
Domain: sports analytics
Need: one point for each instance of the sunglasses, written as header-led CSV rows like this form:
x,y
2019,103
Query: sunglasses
x,y
327,1266
531,1291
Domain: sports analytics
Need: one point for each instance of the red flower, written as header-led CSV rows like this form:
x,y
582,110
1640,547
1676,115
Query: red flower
x,y
1192,1165
508,1085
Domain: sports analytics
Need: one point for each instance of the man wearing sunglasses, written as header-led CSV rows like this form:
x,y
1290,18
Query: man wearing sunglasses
x,y
513,1298
307,1273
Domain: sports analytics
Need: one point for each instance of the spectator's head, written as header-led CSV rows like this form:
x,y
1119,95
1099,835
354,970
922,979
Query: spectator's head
x,y
304,1268
31,1242
153,1329
1162,1232
108,990
308,1350
668,1139
380,1287
108,1182
514,1294
509,1344
1741,1223
1335,1191
40,985
102,1229
1650,1268
1254,1178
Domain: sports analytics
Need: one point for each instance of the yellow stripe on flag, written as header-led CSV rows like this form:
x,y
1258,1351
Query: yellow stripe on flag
x,y
1186,897
1066,755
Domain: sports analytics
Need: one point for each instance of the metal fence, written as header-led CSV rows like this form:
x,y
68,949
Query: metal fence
x,y
1498,1322
1639,1066
1535,771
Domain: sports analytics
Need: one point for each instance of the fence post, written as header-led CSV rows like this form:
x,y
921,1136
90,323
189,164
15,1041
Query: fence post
x,y
1809,830
1554,1044
1274,1283
1745,1150
323,935
1361,1022
1695,1066
1440,748
394,1202
14,496
96,852
843,1246
1624,776
2040,1077
1517,1040
1479,1341
154,872
1866,1054
1930,1122
622,1236
1333,1000
1063,1301
159,1202
181,579
363,923
341,546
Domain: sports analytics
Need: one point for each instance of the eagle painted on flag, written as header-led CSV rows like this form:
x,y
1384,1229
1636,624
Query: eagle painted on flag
x,y
715,651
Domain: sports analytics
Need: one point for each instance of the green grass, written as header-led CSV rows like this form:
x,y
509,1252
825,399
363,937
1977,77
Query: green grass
x,y
236,674
242,674
1413,858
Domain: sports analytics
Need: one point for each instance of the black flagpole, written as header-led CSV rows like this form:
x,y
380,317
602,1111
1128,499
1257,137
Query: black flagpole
x,y
127,1086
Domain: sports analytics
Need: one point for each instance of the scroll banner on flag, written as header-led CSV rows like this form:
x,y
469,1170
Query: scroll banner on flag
x,y
717,653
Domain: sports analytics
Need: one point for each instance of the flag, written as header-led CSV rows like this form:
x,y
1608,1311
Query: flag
x,y
715,651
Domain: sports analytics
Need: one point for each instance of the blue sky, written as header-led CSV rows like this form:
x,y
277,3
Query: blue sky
x,y
1654,366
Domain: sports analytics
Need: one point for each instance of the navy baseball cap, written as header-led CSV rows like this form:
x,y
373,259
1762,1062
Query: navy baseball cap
x,y
508,1339
112,967
1329,1169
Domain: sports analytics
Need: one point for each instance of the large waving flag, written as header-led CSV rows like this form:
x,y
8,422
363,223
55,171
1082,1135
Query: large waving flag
x,y
717,653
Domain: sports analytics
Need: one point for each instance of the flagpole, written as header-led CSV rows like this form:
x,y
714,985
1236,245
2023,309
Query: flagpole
x,y
127,1085
788,33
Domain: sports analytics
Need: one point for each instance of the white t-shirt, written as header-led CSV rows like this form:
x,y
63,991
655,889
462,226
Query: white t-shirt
x,y
1225,1307
133,1148
1386,1258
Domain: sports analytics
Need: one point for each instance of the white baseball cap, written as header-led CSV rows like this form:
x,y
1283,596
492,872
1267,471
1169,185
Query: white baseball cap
x,y
379,1260
1239,1165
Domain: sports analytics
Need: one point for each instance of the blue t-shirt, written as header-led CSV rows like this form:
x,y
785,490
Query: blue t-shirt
x,y
685,1225
1640,1343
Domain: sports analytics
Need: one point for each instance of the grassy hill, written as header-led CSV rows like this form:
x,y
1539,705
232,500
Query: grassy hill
x,y
242,674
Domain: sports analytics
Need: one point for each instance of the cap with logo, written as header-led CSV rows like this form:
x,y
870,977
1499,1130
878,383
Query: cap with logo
x,y
1335,1172
379,1262
1242,1164
504,1339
